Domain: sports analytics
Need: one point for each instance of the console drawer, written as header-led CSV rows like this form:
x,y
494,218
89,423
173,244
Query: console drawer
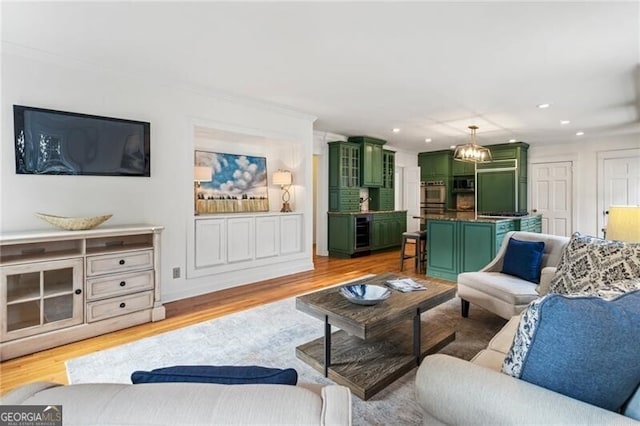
x,y
122,262
116,306
118,285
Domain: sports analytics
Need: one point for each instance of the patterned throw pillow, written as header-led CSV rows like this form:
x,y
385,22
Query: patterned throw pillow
x,y
574,345
588,263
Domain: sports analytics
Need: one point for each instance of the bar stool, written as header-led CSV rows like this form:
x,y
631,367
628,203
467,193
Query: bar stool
x,y
419,240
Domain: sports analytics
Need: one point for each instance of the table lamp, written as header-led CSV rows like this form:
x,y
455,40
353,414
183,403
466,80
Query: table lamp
x,y
283,178
200,174
623,223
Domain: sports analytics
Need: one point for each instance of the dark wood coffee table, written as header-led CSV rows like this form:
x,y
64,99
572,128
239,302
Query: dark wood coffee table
x,y
375,344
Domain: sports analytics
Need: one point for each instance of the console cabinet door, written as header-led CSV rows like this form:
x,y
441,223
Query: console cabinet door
x,y
267,236
290,234
40,297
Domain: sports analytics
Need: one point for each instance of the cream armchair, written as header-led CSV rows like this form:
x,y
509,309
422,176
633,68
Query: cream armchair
x,y
506,295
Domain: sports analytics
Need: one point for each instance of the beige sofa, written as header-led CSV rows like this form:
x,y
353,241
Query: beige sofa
x,y
456,392
190,403
506,295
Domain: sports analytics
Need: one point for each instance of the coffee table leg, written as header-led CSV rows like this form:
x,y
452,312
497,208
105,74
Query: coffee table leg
x,y
327,345
416,336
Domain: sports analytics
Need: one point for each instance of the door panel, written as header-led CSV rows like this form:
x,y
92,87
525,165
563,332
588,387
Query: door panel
x,y
620,185
497,191
551,196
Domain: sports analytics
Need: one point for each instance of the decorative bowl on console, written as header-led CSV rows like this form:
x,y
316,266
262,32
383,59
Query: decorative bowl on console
x,y
74,223
365,294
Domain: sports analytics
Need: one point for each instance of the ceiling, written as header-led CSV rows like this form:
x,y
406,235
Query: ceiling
x,y
428,68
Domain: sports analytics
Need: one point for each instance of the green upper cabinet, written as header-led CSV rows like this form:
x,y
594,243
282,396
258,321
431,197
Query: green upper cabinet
x,y
384,198
434,165
344,176
371,168
344,165
462,168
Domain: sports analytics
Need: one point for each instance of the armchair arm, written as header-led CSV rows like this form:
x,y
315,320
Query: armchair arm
x,y
457,392
546,275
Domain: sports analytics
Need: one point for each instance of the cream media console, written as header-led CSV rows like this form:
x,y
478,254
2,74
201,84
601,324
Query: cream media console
x,y
62,286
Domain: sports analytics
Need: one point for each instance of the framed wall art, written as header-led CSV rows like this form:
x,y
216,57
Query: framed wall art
x,y
236,184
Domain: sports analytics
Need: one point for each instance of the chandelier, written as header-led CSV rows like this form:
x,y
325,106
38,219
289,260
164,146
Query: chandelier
x,y
472,152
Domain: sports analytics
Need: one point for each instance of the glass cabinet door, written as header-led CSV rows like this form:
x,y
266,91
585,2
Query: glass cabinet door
x,y
40,297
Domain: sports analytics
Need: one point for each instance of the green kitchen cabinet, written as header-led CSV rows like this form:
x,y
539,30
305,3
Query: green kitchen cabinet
x,y
511,156
344,176
456,246
384,198
341,233
496,191
387,229
530,224
435,165
462,168
371,161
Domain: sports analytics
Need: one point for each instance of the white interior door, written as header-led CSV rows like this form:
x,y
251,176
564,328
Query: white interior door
x,y
552,195
411,197
619,174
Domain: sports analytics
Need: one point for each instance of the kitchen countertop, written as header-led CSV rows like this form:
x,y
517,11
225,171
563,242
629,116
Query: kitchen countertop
x,y
471,217
368,212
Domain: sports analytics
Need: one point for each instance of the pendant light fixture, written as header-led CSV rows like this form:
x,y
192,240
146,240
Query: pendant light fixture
x,y
472,152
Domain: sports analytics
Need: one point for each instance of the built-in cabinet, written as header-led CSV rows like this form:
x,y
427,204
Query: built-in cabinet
x,y
61,286
384,231
501,183
456,246
224,243
371,170
344,176
383,198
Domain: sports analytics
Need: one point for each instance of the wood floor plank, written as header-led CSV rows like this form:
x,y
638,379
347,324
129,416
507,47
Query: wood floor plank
x,y
49,365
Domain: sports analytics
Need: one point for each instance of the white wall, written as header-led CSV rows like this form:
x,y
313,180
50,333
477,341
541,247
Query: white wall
x,y
583,153
40,80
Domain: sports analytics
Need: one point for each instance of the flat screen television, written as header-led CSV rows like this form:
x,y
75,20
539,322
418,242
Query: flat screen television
x,y
49,142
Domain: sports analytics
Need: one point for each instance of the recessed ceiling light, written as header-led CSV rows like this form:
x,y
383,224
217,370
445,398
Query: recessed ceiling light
x,y
542,106
396,130
563,122
579,133
452,147
513,140
427,140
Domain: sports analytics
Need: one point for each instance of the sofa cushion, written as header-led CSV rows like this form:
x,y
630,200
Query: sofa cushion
x,y
523,259
489,358
589,262
584,347
226,375
508,288
502,341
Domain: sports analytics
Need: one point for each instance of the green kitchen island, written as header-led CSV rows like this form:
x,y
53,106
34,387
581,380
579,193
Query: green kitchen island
x,y
461,242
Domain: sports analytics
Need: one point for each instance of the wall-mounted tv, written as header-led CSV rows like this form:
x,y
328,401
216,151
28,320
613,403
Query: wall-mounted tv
x,y
49,142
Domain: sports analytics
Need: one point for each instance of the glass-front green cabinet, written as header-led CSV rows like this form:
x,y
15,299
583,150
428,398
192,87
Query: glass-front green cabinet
x,y
344,176
383,199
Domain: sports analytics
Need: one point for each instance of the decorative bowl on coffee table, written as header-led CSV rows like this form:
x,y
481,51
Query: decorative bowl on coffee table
x,y
365,294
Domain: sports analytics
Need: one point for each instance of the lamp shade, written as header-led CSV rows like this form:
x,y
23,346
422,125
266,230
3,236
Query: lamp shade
x,y
623,223
282,177
202,173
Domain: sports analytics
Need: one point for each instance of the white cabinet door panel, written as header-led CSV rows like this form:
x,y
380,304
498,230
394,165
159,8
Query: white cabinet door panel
x,y
211,243
240,239
267,236
290,234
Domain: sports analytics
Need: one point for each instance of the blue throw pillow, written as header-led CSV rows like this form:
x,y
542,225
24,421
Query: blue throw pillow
x,y
225,374
523,259
584,347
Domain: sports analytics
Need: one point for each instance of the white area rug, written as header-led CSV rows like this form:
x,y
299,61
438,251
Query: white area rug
x,y
267,336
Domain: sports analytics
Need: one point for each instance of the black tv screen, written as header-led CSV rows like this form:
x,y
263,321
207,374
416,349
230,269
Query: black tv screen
x,y
49,142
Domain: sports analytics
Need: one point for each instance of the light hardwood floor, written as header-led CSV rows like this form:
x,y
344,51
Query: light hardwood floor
x,y
50,364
